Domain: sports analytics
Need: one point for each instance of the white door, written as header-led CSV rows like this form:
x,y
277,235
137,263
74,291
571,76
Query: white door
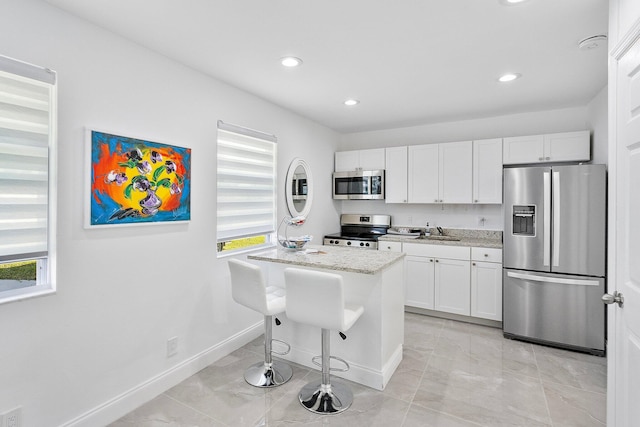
x,y
623,409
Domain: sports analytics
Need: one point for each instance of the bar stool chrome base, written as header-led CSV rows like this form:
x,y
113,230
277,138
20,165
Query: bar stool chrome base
x,y
263,375
325,398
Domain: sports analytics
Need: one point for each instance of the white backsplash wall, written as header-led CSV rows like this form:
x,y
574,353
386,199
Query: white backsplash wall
x,y
446,216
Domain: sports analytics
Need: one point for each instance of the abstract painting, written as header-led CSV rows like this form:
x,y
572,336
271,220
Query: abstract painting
x,y
134,181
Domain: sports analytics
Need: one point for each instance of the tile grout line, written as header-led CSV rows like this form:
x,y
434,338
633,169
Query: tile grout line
x,y
544,393
193,409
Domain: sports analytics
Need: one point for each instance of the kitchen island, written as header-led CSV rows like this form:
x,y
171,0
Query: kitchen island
x,y
372,279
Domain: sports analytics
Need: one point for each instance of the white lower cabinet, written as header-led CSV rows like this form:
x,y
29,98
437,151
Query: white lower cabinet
x,y
453,279
452,293
437,277
486,283
419,281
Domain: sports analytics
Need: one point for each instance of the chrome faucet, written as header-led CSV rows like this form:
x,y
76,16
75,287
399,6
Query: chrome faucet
x,y
440,230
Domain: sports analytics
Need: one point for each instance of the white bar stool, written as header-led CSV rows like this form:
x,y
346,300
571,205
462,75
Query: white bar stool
x,y
249,288
317,298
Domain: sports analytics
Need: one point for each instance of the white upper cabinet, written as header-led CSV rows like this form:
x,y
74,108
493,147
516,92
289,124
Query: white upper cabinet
x,y
487,171
455,177
430,173
557,147
396,175
372,159
423,172
567,146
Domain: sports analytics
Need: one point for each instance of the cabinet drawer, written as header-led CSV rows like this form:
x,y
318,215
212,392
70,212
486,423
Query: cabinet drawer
x,y
438,251
389,246
486,254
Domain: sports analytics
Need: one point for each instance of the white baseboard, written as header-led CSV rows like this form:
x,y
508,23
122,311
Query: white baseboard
x,y
121,405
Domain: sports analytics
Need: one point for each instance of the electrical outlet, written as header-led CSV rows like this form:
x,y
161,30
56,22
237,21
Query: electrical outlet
x,y
172,346
11,418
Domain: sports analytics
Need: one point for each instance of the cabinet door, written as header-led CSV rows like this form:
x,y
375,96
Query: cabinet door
x,y
423,171
456,177
523,149
487,171
372,159
486,290
567,146
346,161
452,286
419,281
396,175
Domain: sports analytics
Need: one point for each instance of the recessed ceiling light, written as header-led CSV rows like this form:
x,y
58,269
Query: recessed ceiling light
x,y
512,2
509,77
291,61
351,102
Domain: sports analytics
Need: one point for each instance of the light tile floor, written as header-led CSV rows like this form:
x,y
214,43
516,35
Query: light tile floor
x,y
453,374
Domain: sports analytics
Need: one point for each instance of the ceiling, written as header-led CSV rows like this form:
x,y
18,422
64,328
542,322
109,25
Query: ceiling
x,y
409,62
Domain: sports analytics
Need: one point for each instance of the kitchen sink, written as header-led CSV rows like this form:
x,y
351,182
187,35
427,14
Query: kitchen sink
x,y
448,238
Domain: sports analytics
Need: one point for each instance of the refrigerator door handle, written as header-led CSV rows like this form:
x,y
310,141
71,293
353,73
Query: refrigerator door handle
x,y
559,280
556,219
546,220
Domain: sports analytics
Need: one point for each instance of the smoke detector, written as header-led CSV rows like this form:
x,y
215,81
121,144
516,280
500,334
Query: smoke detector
x,y
592,42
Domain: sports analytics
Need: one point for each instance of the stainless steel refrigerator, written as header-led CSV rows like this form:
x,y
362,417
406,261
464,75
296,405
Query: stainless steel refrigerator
x,y
555,256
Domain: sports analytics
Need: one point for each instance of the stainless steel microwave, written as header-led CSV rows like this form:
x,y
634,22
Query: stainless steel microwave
x,y
359,185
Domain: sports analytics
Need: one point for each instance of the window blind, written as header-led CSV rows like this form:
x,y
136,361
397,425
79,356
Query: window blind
x,y
246,182
26,109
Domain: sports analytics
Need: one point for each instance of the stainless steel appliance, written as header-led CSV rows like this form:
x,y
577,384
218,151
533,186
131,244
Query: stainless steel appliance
x,y
554,255
359,231
359,185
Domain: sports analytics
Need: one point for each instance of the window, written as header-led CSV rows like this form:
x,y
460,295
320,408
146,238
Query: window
x,y
246,189
27,172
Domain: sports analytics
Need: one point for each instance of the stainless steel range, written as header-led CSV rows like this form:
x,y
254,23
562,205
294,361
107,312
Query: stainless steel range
x,y
359,231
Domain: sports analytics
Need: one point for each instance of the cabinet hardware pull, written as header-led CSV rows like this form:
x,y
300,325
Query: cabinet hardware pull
x,y
430,260
437,261
473,263
486,255
541,158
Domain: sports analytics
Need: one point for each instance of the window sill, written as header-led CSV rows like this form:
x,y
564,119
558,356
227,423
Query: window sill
x,y
25,293
246,251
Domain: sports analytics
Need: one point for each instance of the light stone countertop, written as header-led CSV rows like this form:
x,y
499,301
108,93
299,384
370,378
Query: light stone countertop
x,y
476,238
352,260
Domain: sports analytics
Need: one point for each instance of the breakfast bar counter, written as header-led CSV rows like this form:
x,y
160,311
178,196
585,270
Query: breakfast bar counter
x,y
372,279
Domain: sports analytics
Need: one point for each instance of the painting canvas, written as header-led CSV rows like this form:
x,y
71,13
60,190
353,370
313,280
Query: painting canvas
x,y
134,181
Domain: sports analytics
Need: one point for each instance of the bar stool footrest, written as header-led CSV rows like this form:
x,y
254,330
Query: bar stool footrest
x,y
283,343
315,359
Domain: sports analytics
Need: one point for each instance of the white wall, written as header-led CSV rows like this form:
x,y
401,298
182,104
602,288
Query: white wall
x,y
87,352
592,116
597,122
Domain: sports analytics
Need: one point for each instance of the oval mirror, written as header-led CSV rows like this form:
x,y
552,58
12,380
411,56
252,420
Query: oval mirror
x,y
299,188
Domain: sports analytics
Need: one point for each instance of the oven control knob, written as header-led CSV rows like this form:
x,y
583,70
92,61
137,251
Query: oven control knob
x,y
349,243
367,244
361,244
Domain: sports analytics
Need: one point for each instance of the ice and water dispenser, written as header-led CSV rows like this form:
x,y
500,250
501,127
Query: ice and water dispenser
x,y
524,220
